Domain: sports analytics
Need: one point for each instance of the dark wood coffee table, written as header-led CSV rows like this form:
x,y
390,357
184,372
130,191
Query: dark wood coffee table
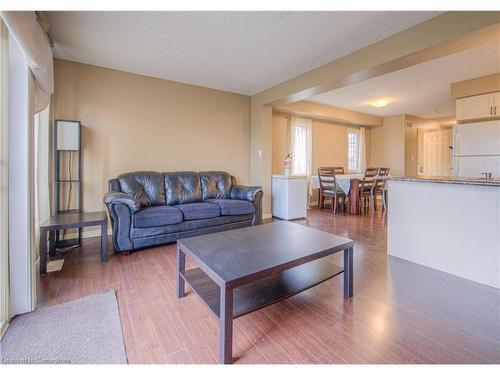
x,y
243,270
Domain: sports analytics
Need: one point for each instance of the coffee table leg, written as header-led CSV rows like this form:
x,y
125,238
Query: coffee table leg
x,y
226,325
181,267
104,242
348,273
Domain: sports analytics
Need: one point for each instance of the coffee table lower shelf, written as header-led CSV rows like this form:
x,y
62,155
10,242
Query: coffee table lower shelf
x,y
263,292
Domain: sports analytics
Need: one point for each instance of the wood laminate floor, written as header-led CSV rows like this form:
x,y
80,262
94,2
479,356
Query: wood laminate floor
x,y
400,313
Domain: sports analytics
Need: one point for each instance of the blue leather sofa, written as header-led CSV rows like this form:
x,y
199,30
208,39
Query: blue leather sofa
x,y
152,208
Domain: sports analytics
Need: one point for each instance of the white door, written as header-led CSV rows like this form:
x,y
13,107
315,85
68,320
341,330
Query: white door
x,y
447,141
437,153
476,107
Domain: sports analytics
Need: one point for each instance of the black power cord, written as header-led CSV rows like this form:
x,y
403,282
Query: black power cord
x,y
70,174
68,251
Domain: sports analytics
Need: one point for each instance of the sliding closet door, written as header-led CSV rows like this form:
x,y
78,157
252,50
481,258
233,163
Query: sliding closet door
x,y
21,182
4,181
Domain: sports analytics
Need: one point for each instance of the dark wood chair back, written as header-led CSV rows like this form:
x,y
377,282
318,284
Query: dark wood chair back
x,y
368,182
326,176
328,187
380,182
325,171
383,171
339,170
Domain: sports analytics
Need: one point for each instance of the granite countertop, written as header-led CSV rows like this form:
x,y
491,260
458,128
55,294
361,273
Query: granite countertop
x,y
449,180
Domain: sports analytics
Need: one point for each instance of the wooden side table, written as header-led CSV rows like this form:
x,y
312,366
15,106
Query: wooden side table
x,y
69,221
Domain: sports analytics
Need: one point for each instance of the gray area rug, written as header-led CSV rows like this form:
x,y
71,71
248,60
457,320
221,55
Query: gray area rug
x,y
87,330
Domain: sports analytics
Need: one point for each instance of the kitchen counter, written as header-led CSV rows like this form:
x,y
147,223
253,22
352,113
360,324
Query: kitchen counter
x,y
449,224
450,180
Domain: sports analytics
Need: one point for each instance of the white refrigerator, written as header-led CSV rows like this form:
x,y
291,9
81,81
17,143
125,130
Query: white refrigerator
x,y
476,149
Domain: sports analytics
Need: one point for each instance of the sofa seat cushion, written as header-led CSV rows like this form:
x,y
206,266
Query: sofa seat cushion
x,y
157,216
197,211
188,226
231,207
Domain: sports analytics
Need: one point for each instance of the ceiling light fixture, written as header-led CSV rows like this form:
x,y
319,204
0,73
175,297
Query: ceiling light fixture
x,y
378,103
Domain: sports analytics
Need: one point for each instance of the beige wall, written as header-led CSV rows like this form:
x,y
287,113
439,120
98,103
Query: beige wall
x,y
280,144
132,122
388,145
329,144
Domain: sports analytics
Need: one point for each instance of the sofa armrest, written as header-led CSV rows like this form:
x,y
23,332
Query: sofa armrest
x,y
121,208
248,193
114,197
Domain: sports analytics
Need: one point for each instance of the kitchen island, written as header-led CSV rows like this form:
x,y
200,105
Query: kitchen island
x,y
449,224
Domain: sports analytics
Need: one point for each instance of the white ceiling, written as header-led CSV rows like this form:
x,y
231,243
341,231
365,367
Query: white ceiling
x,y
418,90
242,52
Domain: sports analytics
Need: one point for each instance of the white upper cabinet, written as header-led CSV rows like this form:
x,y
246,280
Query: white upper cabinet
x,y
479,107
496,102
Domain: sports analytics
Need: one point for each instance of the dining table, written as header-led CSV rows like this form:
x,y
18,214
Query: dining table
x,y
348,183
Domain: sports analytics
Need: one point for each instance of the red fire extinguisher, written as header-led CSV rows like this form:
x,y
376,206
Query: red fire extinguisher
x,y
288,165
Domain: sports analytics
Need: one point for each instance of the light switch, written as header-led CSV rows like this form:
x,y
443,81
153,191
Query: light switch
x,y
259,153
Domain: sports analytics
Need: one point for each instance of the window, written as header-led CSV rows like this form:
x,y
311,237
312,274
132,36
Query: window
x,y
353,141
300,132
300,147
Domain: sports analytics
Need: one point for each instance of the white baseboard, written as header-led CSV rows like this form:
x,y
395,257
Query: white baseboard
x,y
95,232
315,204
90,233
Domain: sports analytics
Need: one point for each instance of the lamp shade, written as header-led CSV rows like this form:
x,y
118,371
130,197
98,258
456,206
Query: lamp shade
x,y
68,135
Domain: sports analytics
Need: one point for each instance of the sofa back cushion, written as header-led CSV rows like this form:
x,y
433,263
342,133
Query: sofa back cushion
x,y
215,185
147,187
182,187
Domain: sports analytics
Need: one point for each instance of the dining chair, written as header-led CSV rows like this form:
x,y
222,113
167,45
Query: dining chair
x,y
339,170
366,188
328,188
380,187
